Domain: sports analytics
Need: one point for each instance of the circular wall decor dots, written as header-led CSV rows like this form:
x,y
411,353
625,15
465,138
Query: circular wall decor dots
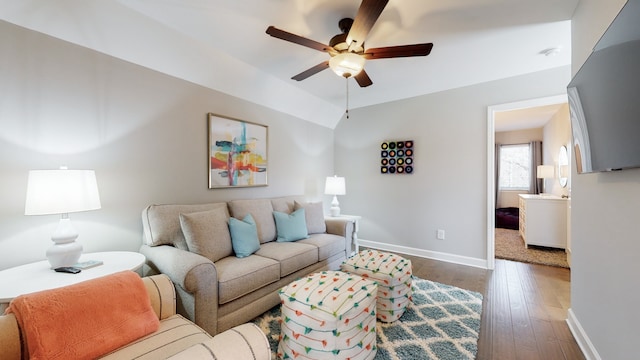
x,y
397,157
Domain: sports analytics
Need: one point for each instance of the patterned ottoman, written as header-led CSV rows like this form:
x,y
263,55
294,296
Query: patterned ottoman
x,y
391,272
328,315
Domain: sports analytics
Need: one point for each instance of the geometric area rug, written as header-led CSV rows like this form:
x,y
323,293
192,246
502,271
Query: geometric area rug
x,y
442,323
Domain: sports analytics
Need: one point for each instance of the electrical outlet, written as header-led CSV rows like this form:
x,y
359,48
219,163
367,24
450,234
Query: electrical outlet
x,y
440,234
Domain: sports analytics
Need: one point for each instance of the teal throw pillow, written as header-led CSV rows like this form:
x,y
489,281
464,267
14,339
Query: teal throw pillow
x,y
291,227
244,236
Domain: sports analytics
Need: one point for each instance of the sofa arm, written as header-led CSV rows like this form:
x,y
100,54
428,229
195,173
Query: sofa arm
x,y
244,341
10,348
342,227
196,281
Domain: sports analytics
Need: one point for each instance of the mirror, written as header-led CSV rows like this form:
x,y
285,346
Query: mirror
x,y
563,166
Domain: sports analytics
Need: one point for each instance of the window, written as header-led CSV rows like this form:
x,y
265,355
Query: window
x,y
515,167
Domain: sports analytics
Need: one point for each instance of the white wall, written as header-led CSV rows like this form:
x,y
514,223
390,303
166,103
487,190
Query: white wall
x,y
448,188
143,132
605,290
557,133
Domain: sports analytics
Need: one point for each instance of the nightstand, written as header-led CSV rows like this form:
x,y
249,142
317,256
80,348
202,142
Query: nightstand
x,y
355,219
39,276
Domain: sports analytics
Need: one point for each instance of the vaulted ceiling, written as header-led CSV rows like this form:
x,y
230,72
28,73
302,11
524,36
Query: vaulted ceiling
x,y
222,44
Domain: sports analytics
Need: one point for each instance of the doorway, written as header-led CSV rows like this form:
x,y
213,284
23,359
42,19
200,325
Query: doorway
x,y
492,112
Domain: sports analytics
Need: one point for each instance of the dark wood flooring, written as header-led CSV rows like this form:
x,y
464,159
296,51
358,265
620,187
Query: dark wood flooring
x,y
524,307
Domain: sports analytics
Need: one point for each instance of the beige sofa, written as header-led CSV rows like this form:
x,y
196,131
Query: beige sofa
x,y
218,290
176,338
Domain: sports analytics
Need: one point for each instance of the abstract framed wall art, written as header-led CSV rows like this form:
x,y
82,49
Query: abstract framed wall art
x,y
237,153
396,157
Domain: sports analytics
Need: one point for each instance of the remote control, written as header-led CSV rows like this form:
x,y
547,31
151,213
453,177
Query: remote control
x,y
67,269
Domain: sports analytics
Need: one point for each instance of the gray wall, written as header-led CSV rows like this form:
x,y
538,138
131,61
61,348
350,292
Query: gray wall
x,y
605,227
448,189
143,132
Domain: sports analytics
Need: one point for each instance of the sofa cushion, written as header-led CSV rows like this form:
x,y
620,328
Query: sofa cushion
x,y
314,216
207,233
292,256
174,335
327,244
244,236
161,223
262,213
286,204
240,276
290,227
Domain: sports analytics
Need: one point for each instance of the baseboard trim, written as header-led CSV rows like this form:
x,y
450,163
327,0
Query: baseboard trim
x,y
452,258
588,350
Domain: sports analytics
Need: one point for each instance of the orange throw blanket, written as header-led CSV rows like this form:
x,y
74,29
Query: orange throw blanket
x,y
85,320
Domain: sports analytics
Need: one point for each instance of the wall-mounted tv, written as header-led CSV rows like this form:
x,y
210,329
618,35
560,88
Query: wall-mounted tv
x,y
604,98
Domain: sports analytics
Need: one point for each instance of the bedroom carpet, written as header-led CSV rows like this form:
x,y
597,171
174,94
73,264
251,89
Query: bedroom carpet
x,y
442,323
510,246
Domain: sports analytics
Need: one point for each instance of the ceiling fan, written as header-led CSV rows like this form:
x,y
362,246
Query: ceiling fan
x,y
347,49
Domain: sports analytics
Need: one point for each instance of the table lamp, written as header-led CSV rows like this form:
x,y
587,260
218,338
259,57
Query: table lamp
x,y
544,172
335,186
62,192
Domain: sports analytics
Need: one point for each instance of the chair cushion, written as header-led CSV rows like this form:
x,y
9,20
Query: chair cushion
x,y
207,233
314,216
292,256
244,236
174,335
327,244
240,276
290,227
262,213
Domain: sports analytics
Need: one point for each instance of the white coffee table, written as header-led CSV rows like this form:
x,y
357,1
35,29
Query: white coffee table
x,y
39,276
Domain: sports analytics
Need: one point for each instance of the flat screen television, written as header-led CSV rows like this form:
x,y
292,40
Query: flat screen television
x,y
604,98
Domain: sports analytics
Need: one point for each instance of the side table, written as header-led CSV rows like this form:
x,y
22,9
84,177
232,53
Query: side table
x,y
355,219
39,276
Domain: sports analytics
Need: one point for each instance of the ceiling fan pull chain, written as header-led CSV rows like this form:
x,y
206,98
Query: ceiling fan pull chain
x,y
346,78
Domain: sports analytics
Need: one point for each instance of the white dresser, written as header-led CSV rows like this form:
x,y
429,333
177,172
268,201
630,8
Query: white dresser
x,y
543,220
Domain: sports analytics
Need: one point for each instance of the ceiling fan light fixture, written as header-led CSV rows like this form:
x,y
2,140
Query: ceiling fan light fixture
x,y
347,64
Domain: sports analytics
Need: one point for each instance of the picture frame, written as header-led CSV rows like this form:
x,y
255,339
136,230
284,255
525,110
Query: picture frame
x,y
237,152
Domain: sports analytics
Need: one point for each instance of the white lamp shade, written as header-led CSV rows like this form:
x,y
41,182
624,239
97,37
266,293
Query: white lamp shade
x,y
61,192
335,186
347,64
545,172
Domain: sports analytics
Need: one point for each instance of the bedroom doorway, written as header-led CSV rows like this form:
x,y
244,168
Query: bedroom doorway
x,y
494,115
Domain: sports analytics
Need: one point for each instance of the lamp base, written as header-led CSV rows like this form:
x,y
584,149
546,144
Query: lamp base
x,y
66,254
335,207
65,251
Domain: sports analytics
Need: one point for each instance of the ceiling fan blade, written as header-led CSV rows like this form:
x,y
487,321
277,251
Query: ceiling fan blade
x,y
297,39
398,51
312,71
363,79
366,17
